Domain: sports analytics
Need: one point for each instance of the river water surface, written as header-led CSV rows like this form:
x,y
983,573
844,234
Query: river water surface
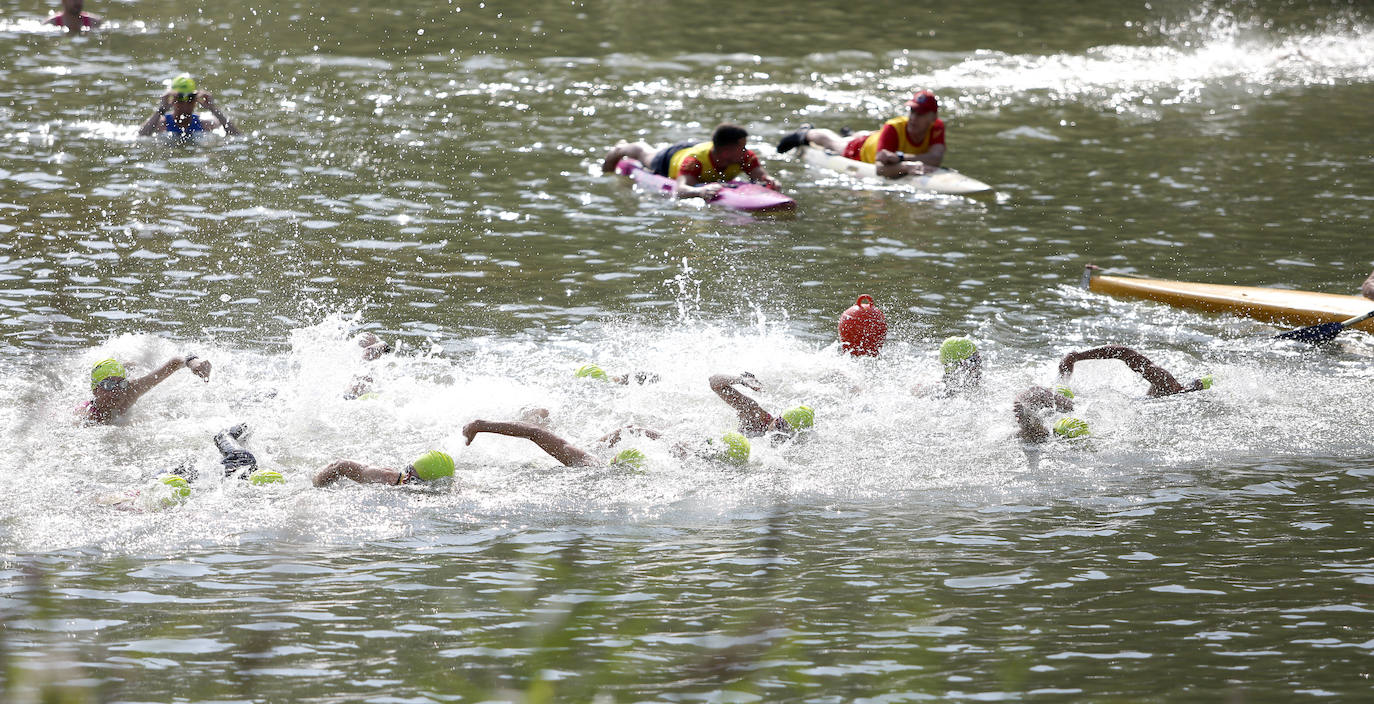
x,y
429,172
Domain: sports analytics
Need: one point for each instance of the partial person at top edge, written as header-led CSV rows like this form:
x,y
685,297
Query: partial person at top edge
x,y
699,167
74,18
176,112
909,145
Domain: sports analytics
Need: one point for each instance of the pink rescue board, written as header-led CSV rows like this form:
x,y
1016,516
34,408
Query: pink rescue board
x,y
737,195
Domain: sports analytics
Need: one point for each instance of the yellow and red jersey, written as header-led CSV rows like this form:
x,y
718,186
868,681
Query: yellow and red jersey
x,y
893,138
699,161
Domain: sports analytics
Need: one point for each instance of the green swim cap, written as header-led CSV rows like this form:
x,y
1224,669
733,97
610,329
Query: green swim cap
x,y
180,487
736,450
629,459
955,350
263,477
106,368
1206,381
1071,428
800,418
433,465
1064,391
183,84
591,371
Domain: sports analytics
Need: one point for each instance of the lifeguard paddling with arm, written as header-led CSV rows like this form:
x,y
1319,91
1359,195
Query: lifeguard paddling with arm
x,y
698,167
910,145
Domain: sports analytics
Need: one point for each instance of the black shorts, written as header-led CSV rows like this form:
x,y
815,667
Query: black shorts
x,y
663,160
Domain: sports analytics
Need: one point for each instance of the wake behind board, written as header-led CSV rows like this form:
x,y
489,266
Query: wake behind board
x,y
736,195
1272,305
942,181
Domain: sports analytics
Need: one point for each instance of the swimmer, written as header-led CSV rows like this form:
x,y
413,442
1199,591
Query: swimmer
x,y
1367,290
732,448
1031,428
373,346
700,168
592,371
236,461
181,99
427,467
963,368
73,18
1162,383
114,394
753,420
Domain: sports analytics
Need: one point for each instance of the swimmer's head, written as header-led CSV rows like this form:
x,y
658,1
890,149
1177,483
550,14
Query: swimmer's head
x,y
183,84
180,487
112,370
1064,391
263,477
629,459
591,371
800,418
1203,382
1070,428
174,490
734,449
956,352
433,465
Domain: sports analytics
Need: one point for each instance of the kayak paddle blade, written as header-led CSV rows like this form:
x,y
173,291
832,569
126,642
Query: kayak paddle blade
x,y
1315,334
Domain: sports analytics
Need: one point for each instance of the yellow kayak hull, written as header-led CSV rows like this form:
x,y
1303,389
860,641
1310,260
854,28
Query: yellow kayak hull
x,y
1273,305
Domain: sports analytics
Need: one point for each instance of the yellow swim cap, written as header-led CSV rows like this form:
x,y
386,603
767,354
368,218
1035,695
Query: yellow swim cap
x,y
1064,391
183,84
266,476
591,371
736,450
433,465
955,350
107,368
800,418
629,459
1071,428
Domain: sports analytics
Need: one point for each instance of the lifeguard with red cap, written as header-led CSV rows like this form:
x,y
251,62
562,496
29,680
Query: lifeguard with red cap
x,y
912,144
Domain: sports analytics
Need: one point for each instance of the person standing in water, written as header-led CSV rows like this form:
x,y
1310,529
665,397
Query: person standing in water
x,y
176,112
698,167
909,145
73,18
113,394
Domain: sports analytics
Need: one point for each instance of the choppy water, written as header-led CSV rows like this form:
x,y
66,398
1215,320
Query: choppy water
x,y
440,189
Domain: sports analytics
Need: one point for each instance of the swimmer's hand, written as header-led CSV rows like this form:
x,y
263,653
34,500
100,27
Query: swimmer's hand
x,y
199,367
748,381
709,191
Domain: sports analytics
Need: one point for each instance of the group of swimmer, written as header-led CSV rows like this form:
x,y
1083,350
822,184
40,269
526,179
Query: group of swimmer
x,y
912,144
114,393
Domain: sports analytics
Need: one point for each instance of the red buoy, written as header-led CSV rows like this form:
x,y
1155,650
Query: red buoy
x,y
863,329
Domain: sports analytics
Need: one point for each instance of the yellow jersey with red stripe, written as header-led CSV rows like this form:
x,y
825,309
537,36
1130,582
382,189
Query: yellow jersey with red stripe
x,y
697,160
869,152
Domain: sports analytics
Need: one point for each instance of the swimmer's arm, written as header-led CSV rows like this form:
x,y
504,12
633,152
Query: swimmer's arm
x,y
612,438
760,176
144,384
1162,383
210,104
556,447
751,414
689,182
358,472
155,122
1367,290
1027,405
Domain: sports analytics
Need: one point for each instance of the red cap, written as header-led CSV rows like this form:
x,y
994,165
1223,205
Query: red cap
x,y
923,102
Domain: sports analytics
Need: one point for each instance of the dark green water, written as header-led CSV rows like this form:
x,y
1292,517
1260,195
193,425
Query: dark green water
x,y
428,171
